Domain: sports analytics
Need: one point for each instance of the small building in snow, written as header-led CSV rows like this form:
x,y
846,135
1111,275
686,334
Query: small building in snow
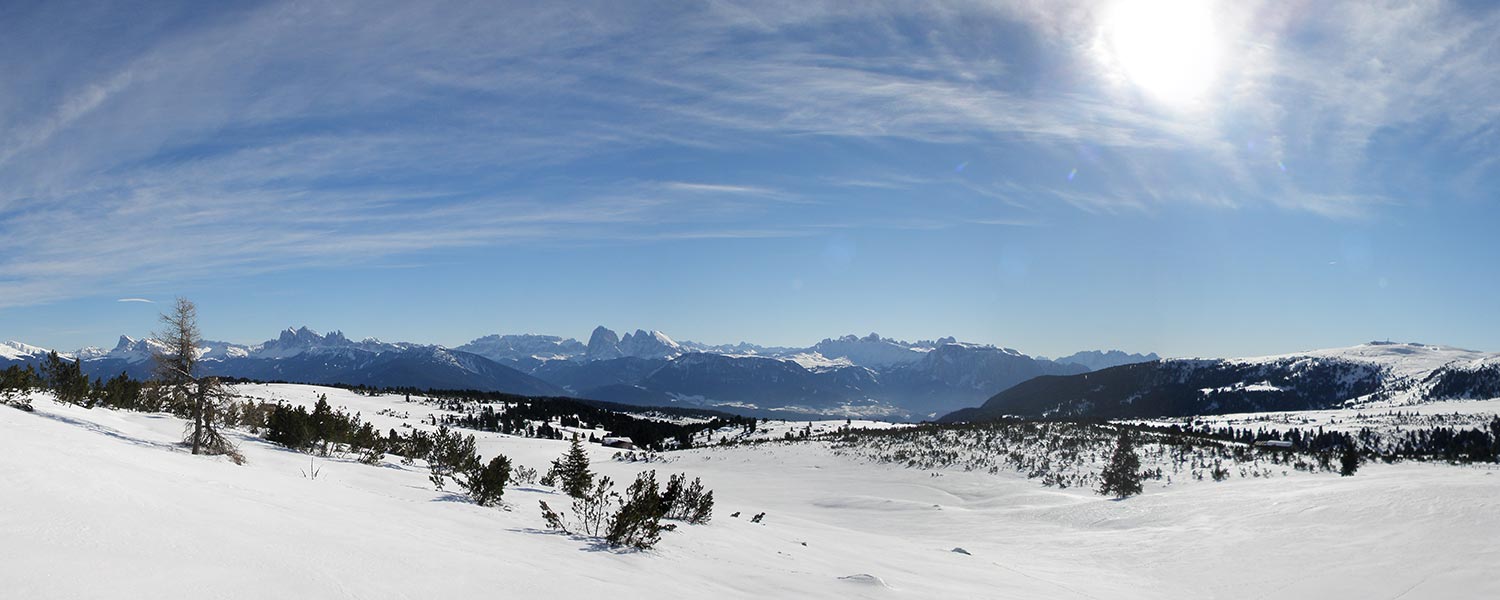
x,y
622,443
1274,444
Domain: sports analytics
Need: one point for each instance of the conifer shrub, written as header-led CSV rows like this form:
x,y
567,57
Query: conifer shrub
x,y
485,485
1122,478
452,455
638,522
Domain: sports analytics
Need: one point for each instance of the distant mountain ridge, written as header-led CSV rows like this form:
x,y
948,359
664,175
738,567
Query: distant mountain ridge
x,y
304,356
1095,360
1377,372
850,375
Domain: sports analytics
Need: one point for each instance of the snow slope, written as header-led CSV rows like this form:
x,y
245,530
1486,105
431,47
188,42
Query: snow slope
x,y
1404,365
13,350
1408,360
101,504
1387,417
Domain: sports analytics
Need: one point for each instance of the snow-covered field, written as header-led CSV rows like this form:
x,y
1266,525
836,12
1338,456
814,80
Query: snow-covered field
x,y
1382,417
102,504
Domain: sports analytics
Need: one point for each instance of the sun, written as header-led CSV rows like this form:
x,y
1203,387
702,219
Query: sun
x,y
1167,48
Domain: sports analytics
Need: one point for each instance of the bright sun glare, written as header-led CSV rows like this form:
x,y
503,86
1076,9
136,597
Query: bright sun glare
x,y
1165,47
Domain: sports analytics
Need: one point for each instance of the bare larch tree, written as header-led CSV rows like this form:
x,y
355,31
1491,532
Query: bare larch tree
x,y
176,372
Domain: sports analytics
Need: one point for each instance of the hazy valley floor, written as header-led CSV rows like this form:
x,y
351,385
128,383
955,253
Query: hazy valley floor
x,y
103,504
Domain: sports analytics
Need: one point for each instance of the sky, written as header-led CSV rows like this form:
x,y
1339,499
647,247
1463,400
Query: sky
x,y
1190,178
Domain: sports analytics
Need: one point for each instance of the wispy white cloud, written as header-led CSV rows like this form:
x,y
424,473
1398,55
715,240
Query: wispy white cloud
x,y
141,300
719,188
297,135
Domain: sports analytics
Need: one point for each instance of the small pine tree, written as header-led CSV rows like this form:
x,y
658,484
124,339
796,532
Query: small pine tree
x,y
682,501
638,522
705,509
1122,478
486,484
591,512
592,508
571,472
452,455
324,425
1348,460
66,379
554,520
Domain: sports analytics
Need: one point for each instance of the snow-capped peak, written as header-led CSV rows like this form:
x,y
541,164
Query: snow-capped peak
x,y
13,350
292,342
814,361
133,350
871,350
649,344
523,346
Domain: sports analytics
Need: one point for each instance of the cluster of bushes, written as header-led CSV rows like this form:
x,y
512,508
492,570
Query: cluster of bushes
x,y
1078,454
16,384
324,430
452,458
65,379
633,519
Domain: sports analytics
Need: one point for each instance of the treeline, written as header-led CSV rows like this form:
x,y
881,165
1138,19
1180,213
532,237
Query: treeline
x,y
528,416
492,397
518,415
65,379
1450,444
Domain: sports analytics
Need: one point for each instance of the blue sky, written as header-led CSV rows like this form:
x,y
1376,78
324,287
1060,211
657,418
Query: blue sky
x,y
1181,177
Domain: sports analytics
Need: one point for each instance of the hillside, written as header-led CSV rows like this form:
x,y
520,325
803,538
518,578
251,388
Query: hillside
x,y
1369,373
111,490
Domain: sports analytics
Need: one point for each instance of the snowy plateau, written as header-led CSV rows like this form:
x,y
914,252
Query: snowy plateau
x,y
100,503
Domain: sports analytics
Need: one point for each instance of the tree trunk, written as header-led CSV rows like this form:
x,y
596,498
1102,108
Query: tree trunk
x,y
197,420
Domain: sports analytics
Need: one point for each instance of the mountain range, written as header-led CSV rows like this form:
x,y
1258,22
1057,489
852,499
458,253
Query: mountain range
x,y
870,376
849,375
1377,373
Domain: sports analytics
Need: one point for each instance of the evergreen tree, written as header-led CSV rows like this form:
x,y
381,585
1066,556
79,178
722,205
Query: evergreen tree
x,y
290,427
682,501
66,379
325,424
486,484
453,455
1122,478
54,370
1348,460
638,522
591,512
571,472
